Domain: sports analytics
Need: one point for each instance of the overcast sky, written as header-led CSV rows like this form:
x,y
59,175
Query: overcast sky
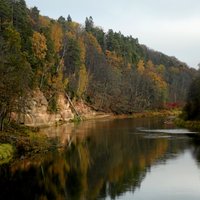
x,y
170,26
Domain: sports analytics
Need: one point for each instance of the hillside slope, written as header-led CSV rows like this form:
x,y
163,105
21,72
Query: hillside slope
x,y
108,70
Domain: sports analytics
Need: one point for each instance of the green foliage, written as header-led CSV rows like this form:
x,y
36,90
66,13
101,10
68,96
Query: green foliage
x,y
5,13
15,73
75,66
76,119
6,153
22,23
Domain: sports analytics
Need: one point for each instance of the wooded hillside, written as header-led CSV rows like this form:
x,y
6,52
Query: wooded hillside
x,y
108,70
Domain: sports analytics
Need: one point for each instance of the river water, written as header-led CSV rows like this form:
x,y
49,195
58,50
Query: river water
x,y
108,159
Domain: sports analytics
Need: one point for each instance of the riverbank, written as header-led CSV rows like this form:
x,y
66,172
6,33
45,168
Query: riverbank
x,y
193,125
24,142
27,141
148,113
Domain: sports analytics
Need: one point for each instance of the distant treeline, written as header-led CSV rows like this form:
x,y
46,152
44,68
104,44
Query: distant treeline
x,y
108,70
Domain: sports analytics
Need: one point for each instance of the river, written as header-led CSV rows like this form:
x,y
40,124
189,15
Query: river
x,y
108,159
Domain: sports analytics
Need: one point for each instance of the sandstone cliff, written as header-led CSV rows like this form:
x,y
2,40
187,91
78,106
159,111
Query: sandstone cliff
x,y
37,113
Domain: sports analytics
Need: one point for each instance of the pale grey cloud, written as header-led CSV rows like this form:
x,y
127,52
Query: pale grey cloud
x,y
171,26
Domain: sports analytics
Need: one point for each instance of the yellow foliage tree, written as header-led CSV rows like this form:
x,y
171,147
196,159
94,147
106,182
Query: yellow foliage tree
x,y
93,41
39,45
158,81
140,67
74,28
113,59
160,69
149,65
39,48
57,36
44,21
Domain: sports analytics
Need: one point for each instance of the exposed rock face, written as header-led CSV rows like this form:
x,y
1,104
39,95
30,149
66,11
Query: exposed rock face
x,y
37,113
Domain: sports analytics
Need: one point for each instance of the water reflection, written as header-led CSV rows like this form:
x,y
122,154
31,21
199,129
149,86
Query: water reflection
x,y
101,159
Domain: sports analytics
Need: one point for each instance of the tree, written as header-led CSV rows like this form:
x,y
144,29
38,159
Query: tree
x,y
72,55
82,73
62,22
75,68
140,67
22,23
89,24
15,73
149,65
99,34
35,14
57,36
69,19
114,60
5,12
39,48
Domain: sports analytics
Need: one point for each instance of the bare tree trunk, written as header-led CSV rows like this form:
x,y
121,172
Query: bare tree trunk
x,y
76,112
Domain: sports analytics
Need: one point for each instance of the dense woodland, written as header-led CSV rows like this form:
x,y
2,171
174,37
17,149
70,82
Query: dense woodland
x,y
109,71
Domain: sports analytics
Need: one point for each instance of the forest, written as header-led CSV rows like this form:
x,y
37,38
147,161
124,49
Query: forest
x,y
109,71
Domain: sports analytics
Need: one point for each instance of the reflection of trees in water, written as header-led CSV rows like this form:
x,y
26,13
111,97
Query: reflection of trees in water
x,y
54,176
122,163
109,162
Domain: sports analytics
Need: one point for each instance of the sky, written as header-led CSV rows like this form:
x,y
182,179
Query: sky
x,y
169,26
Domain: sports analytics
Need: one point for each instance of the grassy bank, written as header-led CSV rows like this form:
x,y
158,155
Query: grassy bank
x,y
20,142
193,125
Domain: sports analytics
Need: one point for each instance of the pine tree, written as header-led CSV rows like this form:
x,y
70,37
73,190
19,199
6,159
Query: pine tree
x,y
69,19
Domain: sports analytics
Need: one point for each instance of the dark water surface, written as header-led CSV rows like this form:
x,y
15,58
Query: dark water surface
x,y
108,159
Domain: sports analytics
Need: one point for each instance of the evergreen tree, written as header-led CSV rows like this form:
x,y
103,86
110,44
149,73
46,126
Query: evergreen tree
x,y
15,73
89,24
22,24
69,19
5,13
34,14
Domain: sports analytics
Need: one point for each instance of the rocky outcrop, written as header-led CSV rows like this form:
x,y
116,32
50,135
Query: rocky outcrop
x,y
37,113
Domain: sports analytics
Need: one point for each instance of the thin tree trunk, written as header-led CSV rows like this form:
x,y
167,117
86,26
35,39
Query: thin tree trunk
x,y
76,112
